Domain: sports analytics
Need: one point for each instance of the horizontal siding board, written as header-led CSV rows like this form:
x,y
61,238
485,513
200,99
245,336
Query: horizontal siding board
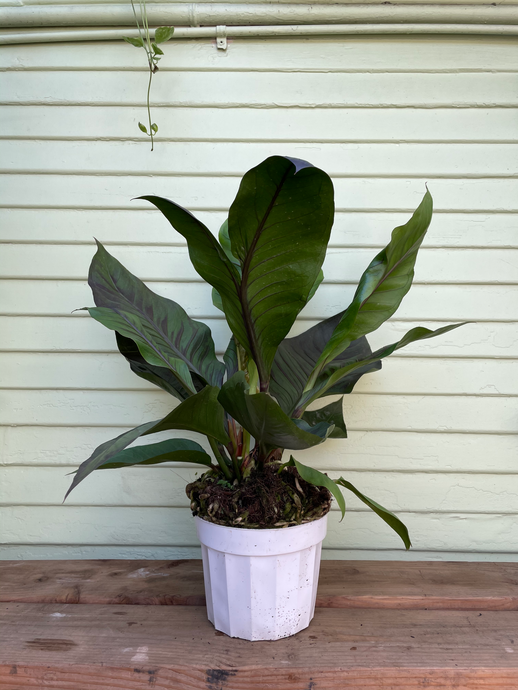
x,y
424,302
229,158
217,193
363,451
165,487
474,266
103,371
262,89
167,526
362,411
251,124
78,334
318,53
149,227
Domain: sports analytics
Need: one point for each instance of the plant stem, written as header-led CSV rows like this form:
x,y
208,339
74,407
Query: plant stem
x,y
221,460
149,107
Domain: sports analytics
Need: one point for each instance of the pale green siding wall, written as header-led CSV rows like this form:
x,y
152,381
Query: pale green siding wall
x,y
433,436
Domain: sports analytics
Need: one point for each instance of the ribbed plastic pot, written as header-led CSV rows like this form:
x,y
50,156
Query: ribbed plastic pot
x,y
261,584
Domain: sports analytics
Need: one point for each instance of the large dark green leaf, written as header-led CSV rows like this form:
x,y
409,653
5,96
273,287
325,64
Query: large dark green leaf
x,y
165,334
105,452
260,415
382,287
296,358
159,376
173,450
201,413
317,478
210,261
230,358
330,414
326,383
279,227
384,514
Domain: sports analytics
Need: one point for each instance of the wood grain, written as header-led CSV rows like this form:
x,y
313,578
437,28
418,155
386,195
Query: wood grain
x,y
343,584
68,646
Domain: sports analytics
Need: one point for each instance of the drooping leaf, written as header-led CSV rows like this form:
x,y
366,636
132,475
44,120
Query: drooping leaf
x,y
230,358
163,33
317,478
325,383
382,287
296,357
279,226
209,260
165,334
156,49
159,376
201,413
383,513
330,414
137,42
260,415
105,452
173,450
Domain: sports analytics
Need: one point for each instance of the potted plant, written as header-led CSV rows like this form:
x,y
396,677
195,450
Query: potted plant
x,y
261,518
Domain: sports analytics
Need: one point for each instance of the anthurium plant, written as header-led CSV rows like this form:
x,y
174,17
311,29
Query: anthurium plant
x,y
255,404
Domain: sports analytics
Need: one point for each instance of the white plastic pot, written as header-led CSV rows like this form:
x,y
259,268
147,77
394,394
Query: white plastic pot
x,y
261,584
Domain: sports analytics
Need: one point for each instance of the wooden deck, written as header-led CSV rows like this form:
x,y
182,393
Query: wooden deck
x,y
129,625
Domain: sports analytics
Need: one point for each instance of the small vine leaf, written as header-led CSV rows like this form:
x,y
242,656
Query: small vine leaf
x,y
137,42
154,128
157,50
142,128
163,33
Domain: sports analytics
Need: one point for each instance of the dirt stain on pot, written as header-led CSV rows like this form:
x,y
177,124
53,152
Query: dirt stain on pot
x,y
216,678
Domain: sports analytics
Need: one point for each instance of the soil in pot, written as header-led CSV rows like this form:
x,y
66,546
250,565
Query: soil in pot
x,y
266,499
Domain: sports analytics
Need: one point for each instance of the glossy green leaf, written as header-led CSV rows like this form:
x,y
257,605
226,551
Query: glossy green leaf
x,y
330,414
159,376
326,383
260,415
383,513
201,413
382,287
137,42
166,336
279,226
209,260
230,358
296,358
163,33
317,478
316,284
105,452
173,450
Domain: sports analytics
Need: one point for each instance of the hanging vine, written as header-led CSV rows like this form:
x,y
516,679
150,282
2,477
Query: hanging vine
x,y
153,53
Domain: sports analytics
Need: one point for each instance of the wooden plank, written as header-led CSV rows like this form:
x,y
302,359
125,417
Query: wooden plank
x,y
163,486
174,528
342,584
249,124
363,411
261,89
400,375
121,646
78,334
341,266
430,53
387,451
362,229
217,193
228,158
423,303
